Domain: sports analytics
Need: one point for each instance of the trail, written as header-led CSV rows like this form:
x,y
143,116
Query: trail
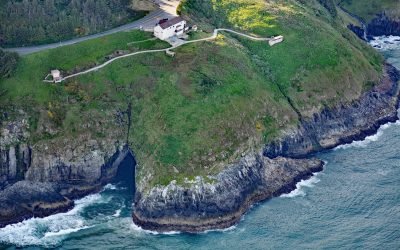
x,y
214,36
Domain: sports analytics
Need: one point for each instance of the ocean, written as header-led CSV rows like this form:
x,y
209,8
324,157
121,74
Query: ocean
x,y
354,203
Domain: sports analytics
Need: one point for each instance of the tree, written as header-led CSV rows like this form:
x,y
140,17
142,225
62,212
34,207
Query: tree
x,y
8,63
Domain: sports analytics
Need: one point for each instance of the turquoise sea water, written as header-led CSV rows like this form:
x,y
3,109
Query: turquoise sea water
x,y
353,203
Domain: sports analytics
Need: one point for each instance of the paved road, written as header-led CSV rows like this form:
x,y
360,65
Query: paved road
x,y
167,10
212,37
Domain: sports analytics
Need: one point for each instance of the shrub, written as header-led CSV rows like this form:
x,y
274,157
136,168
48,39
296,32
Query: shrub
x,y
8,63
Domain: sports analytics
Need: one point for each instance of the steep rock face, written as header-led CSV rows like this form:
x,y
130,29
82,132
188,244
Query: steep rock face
x,y
42,179
342,124
383,25
220,203
15,154
51,188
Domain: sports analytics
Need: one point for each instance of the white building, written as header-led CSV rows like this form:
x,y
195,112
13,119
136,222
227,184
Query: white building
x,y
174,27
275,40
56,75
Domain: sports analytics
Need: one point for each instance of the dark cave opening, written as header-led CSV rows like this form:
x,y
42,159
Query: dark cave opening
x,y
125,176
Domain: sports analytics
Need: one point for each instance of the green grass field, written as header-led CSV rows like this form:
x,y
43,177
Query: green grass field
x,y
195,113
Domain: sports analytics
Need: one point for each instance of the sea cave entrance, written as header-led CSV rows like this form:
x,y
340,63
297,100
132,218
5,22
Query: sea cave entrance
x,y
125,176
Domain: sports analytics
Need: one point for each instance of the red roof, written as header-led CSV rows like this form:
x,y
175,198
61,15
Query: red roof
x,y
171,22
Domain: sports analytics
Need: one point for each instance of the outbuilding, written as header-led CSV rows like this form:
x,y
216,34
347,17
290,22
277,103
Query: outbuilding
x,y
173,27
275,40
56,75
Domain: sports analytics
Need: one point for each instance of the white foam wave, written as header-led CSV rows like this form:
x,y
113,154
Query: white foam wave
x,y
368,139
299,191
231,228
48,231
117,213
385,43
65,231
139,229
110,187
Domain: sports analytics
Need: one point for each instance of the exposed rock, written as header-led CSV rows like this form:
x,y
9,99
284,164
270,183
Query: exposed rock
x,y
383,25
26,199
47,184
220,204
342,124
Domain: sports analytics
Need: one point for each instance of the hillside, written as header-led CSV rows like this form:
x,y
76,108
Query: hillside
x,y
30,22
193,114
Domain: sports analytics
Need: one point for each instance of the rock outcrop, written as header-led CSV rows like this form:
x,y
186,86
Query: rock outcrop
x,y
42,179
221,202
383,25
342,124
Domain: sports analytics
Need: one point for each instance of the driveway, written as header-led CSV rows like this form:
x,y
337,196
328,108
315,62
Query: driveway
x,y
167,9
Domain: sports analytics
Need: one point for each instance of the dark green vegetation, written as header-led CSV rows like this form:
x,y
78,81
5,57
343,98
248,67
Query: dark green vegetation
x,y
8,63
196,112
368,9
44,21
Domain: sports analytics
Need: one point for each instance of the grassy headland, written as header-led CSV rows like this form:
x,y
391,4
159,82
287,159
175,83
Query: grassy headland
x,y
196,112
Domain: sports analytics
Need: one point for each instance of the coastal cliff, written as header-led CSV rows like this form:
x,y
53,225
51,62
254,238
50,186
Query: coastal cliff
x,y
220,201
198,122
42,179
381,25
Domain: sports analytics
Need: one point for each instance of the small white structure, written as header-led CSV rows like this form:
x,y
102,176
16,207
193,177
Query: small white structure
x,y
275,40
174,27
56,75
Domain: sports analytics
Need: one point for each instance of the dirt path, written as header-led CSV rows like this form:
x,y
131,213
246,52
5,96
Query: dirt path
x,y
214,36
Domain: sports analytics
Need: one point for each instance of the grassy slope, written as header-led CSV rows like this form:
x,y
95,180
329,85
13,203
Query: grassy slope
x,y
367,9
194,113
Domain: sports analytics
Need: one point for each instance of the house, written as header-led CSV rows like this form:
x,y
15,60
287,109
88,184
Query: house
x,y
169,28
56,75
275,40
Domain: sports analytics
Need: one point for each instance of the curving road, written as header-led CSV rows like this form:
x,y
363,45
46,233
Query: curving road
x,y
212,37
167,9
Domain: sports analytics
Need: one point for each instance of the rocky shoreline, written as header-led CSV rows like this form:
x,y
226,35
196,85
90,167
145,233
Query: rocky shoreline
x,y
34,197
220,204
256,177
381,25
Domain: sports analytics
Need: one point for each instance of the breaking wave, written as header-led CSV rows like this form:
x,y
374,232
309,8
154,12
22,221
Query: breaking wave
x,y
368,139
52,230
385,43
138,229
300,187
48,231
